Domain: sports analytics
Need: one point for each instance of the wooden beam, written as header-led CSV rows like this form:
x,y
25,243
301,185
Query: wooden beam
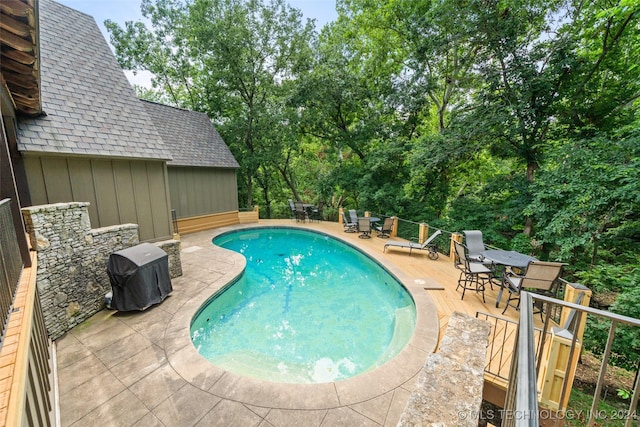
x,y
11,65
16,8
31,105
21,57
16,42
25,82
16,27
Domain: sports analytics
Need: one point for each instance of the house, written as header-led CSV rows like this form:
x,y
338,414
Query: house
x,y
73,130
97,142
94,142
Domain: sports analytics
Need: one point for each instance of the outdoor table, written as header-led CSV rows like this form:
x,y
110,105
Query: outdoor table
x,y
506,258
510,258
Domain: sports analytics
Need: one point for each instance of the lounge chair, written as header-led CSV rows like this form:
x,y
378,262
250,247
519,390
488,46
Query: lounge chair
x,y
427,245
349,227
364,228
385,229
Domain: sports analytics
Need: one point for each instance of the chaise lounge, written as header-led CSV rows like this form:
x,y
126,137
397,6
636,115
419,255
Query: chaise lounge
x,y
427,245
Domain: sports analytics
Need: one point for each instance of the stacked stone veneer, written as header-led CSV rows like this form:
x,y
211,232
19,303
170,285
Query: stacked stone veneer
x,y
72,275
449,388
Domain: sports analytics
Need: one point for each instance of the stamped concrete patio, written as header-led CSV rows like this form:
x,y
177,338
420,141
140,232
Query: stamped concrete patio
x,y
140,368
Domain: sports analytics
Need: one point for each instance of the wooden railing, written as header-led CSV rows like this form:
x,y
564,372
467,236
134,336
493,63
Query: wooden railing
x,y
25,364
555,348
10,263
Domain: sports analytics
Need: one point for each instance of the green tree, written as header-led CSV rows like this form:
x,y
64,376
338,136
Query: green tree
x,y
586,197
234,60
160,50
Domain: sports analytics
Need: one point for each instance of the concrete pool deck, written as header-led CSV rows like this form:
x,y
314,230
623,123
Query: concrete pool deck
x,y
140,368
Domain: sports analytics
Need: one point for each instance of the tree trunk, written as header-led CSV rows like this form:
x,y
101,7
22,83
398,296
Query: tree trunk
x,y
249,191
289,181
528,222
267,201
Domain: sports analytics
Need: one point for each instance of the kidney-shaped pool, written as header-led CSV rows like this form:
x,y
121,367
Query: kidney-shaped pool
x,y
308,309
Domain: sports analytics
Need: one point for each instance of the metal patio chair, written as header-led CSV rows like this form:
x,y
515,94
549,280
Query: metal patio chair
x,y
384,230
541,276
316,212
364,228
475,245
473,275
301,212
349,227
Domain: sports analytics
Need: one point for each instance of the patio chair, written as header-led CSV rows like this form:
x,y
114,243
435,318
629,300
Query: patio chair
x,y
473,275
349,227
385,229
540,276
316,212
353,215
427,245
301,212
475,245
364,228
292,206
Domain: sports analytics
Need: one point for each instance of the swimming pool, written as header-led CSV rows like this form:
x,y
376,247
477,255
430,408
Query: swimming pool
x,y
308,309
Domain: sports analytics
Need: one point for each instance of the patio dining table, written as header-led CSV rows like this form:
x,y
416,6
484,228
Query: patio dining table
x,y
507,259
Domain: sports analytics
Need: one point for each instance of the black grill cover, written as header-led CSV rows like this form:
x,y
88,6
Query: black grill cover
x,y
139,277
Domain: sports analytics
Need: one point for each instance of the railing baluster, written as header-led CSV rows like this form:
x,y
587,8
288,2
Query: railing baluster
x,y
572,325
574,340
633,405
603,370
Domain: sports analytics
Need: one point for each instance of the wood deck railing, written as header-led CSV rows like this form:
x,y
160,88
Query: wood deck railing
x,y
25,365
554,347
10,263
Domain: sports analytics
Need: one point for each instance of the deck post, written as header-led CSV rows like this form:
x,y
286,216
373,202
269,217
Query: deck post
x,y
340,212
394,228
423,232
560,356
457,237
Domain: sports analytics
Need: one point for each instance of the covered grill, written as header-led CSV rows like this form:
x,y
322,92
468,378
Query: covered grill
x,y
139,277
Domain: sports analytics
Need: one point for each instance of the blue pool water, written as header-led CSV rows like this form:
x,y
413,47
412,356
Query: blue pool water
x,y
308,309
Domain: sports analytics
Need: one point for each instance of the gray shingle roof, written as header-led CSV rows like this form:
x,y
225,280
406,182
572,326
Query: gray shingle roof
x,y
91,107
190,137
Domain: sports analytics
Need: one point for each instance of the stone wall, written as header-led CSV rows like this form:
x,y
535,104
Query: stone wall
x,y
449,388
172,248
72,261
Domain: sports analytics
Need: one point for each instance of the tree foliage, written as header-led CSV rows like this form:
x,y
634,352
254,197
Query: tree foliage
x,y
519,118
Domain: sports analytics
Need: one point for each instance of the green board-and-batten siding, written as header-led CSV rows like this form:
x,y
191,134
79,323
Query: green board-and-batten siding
x,y
199,191
118,191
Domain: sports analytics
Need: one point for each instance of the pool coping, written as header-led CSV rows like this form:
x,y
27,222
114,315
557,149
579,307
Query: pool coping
x,y
194,368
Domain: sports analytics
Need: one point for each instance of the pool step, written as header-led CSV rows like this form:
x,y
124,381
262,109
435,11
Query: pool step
x,y
403,326
258,365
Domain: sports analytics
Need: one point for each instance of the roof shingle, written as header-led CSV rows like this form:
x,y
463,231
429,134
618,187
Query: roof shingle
x,y
190,137
90,107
